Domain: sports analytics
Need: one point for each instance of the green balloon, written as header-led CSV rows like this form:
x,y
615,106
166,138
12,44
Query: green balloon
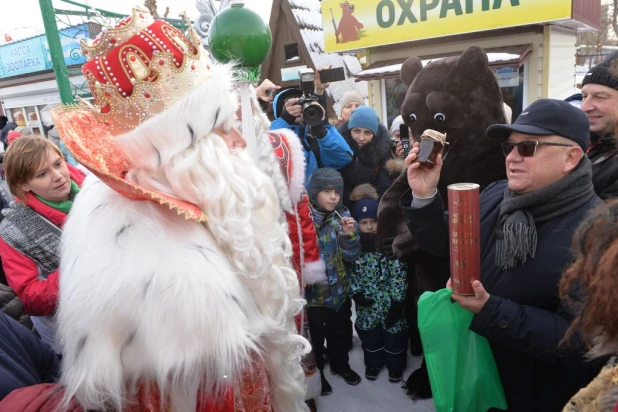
x,y
239,34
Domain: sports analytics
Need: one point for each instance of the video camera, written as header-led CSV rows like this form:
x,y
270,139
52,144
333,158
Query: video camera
x,y
312,113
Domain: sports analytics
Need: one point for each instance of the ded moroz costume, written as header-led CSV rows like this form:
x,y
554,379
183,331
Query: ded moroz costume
x,y
176,293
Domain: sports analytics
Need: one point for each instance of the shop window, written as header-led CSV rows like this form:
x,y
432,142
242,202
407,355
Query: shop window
x,y
27,116
292,53
395,92
511,82
17,116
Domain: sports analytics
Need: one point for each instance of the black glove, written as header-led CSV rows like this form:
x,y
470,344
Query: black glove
x,y
395,312
319,131
361,300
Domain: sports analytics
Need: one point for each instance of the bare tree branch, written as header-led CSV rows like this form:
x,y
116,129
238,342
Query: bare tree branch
x,y
151,5
591,42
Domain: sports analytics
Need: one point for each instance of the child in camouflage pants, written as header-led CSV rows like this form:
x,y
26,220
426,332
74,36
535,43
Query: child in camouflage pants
x,y
378,287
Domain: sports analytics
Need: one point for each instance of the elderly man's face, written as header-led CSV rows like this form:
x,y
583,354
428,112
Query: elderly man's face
x,y
600,103
548,165
233,139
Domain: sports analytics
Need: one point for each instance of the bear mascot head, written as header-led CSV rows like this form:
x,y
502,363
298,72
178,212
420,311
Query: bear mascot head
x,y
458,96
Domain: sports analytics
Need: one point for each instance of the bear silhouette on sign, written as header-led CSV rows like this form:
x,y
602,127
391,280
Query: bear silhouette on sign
x,y
348,25
458,96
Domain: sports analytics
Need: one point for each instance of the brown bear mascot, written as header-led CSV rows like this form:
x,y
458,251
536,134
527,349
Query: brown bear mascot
x,y
458,96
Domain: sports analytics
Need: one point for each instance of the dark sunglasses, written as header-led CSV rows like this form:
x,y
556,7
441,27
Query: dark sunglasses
x,y
527,148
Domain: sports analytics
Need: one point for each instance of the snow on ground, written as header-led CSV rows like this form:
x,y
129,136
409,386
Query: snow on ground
x,y
370,396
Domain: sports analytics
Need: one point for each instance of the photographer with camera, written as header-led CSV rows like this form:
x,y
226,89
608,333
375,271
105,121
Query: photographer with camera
x,y
303,111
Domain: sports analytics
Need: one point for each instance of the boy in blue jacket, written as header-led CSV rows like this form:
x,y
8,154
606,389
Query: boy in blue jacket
x,y
379,289
329,303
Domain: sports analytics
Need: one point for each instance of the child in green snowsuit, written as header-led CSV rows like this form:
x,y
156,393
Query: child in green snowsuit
x,y
378,288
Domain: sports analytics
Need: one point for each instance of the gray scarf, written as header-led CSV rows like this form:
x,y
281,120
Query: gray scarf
x,y
32,235
516,236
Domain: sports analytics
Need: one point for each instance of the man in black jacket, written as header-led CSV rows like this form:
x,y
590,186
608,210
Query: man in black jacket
x,y
600,103
527,224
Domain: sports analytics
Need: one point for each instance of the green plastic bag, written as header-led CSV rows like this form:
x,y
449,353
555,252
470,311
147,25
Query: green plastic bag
x,y
462,369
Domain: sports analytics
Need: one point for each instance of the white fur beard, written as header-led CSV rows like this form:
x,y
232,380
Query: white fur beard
x,y
244,218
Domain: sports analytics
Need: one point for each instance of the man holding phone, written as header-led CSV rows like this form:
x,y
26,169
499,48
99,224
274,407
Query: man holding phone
x,y
323,145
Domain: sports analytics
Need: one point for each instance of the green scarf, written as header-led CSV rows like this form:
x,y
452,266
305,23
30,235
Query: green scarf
x,y
65,206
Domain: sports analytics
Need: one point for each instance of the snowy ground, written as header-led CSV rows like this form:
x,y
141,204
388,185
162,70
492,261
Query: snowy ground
x,y
370,396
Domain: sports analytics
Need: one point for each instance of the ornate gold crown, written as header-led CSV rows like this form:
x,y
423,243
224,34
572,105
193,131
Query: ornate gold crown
x,y
148,67
121,33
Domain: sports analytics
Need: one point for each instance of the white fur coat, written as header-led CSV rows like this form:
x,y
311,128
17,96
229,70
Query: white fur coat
x,y
146,294
159,294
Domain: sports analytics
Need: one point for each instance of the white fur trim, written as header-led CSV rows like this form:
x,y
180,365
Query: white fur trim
x,y
82,169
314,272
146,293
297,156
314,385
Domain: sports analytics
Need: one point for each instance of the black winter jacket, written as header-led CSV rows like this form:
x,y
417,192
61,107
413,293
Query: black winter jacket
x,y
368,163
524,320
603,154
25,360
12,306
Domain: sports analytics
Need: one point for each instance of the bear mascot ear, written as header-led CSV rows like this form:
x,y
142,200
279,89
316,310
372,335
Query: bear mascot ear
x,y
473,64
410,69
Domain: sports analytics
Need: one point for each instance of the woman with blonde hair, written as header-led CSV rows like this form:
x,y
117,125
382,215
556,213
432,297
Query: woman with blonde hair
x,y
350,101
44,187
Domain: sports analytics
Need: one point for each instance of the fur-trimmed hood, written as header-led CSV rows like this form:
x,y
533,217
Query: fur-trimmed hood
x,y
364,191
373,154
394,168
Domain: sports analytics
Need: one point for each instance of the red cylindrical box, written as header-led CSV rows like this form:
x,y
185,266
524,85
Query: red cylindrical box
x,y
464,234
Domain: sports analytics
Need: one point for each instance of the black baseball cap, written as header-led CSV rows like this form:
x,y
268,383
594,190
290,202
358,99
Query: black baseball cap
x,y
547,117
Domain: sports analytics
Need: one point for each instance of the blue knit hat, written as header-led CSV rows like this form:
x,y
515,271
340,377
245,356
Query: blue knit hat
x,y
365,208
364,117
324,179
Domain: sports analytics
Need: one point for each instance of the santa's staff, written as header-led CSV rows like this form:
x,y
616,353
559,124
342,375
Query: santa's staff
x,y
239,35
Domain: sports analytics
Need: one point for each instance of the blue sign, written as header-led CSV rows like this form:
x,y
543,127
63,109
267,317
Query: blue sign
x,y
32,55
22,57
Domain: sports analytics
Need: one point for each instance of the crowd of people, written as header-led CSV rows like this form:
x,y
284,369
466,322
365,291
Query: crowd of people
x,y
153,264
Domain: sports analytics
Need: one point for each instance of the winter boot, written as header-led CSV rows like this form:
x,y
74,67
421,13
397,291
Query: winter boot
x,y
372,373
395,376
349,376
326,388
312,406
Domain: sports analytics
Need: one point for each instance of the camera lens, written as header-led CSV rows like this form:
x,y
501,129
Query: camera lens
x,y
312,114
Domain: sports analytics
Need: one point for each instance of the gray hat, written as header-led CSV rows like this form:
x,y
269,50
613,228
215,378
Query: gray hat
x,y
351,96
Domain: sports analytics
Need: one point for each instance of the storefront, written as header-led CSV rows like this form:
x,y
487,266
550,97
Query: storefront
x,y
27,83
531,44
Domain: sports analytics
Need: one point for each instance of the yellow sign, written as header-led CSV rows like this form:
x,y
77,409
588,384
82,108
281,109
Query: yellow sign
x,y
357,24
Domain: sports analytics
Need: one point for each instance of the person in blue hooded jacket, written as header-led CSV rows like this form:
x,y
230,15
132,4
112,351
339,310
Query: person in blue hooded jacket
x,y
323,145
